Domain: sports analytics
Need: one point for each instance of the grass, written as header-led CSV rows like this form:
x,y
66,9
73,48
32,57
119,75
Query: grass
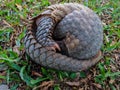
x,y
106,75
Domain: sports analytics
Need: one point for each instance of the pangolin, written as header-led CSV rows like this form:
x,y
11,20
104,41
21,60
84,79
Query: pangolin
x,y
65,37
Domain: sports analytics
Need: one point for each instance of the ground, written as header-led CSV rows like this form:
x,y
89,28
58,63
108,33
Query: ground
x,y
20,73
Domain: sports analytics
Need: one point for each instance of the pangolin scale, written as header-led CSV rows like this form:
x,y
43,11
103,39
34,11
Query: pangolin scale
x,y
65,37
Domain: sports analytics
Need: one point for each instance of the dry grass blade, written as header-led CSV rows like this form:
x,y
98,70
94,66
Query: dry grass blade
x,y
76,84
45,85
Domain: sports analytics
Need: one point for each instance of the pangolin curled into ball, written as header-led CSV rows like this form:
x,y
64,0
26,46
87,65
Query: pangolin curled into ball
x,y
65,37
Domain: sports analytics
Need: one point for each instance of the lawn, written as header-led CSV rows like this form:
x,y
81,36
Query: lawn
x,y
20,73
